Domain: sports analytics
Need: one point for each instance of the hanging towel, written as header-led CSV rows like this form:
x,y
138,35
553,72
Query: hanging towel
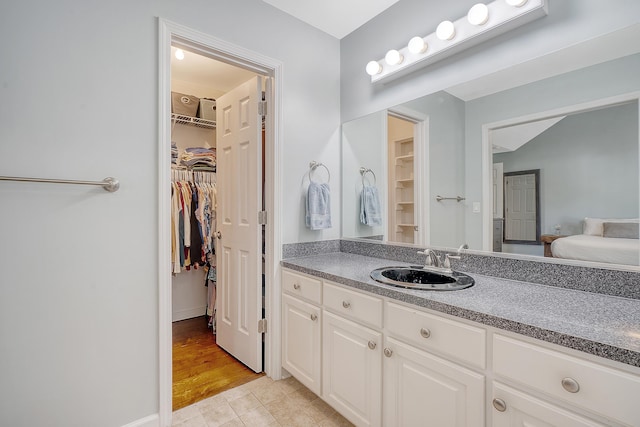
x,y
318,206
370,206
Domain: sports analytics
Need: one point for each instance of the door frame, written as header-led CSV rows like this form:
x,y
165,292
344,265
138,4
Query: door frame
x,y
421,167
172,33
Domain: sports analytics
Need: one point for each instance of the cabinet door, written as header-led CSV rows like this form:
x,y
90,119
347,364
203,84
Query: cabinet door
x,y
424,390
352,369
301,340
512,408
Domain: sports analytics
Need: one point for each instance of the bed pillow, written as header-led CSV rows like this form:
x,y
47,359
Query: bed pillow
x,y
595,226
592,226
621,230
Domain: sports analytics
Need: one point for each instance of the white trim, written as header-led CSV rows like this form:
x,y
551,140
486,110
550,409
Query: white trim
x,y
421,148
150,421
164,226
171,32
487,160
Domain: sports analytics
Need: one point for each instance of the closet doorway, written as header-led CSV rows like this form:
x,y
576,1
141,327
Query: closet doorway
x,y
217,172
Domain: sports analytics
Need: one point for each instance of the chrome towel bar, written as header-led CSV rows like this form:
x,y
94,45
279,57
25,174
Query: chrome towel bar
x,y
109,184
457,198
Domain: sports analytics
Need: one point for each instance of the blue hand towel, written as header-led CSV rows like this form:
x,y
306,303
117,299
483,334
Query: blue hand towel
x,y
318,215
370,206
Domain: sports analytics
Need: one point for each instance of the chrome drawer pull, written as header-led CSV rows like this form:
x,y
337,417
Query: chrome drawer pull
x,y
372,345
570,385
296,286
314,317
388,352
346,304
499,404
425,333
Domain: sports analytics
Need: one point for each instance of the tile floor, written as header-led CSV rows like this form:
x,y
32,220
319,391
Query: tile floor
x,y
261,402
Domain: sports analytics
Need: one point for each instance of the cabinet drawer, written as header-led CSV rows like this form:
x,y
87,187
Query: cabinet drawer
x,y
594,387
522,410
355,305
302,286
430,332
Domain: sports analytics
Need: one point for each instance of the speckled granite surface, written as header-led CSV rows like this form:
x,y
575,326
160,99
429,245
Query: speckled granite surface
x,y
619,283
294,250
603,325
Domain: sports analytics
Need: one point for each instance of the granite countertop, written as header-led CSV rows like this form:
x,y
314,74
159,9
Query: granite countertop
x,y
603,325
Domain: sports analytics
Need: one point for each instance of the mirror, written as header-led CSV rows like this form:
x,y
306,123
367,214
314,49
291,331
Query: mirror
x,y
577,125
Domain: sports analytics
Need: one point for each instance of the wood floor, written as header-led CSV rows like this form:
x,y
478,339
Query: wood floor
x,y
200,368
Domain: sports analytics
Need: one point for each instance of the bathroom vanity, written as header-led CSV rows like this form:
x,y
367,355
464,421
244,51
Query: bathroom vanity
x,y
500,353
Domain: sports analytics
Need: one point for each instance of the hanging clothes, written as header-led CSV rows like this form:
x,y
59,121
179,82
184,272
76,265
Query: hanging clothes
x,y
193,201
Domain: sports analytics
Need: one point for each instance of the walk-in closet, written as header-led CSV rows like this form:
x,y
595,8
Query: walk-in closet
x,y
201,367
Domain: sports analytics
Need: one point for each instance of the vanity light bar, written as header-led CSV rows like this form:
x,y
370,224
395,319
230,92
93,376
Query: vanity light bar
x,y
481,23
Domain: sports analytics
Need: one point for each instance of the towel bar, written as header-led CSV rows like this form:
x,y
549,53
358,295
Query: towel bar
x,y
457,198
109,184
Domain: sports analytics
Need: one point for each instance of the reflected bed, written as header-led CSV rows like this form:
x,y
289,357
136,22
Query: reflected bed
x,y
597,249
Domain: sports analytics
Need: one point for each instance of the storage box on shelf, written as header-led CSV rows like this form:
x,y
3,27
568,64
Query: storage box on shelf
x,y
186,105
207,109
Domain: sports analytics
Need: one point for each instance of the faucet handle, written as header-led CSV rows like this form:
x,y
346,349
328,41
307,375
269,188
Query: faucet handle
x,y
428,262
462,246
448,258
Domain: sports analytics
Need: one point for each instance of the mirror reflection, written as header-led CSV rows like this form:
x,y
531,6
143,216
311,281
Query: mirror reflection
x,y
527,169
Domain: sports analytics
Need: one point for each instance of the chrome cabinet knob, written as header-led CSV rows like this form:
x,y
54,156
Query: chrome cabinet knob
x,y
499,404
346,304
314,317
570,385
219,235
296,286
387,352
425,333
372,345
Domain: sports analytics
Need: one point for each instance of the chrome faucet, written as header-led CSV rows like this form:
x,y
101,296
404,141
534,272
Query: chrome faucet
x,y
433,260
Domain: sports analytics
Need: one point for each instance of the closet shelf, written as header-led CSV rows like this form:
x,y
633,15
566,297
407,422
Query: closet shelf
x,y
193,121
406,157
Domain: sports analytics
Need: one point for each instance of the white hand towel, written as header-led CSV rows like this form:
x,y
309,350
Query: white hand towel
x,y
370,206
318,215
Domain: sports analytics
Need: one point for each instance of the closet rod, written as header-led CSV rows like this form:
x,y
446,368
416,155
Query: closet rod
x,y
109,184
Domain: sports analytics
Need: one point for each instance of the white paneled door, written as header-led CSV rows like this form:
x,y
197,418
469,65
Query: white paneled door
x,y
239,304
520,212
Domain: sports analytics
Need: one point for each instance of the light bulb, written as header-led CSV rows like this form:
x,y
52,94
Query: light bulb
x,y
373,68
446,30
393,57
417,45
516,3
478,14
179,54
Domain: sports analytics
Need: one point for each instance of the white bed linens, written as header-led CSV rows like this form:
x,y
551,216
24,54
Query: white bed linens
x,y
597,249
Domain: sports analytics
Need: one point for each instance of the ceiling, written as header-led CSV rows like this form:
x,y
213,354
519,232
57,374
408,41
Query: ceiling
x,y
335,17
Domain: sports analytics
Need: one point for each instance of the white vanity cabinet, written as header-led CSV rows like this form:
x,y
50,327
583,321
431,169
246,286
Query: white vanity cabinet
x,y
563,380
352,354
302,329
423,388
381,362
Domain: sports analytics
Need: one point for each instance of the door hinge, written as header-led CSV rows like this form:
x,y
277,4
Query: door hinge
x,y
262,326
262,108
262,217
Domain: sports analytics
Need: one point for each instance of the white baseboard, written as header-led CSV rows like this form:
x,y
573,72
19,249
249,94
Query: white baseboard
x,y
189,313
150,421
